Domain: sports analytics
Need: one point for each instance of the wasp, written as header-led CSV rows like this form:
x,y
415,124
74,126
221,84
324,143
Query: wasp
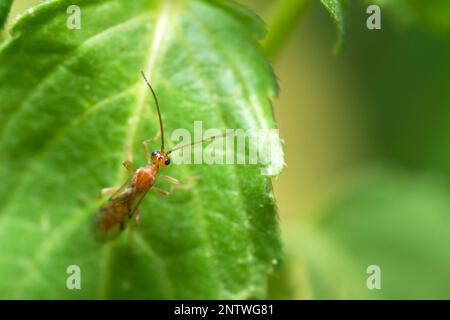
x,y
114,215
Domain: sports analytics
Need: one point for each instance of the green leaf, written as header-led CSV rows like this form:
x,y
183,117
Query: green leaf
x,y
336,10
387,218
434,14
5,6
73,100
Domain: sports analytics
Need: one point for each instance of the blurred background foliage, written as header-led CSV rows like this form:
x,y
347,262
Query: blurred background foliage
x,y
367,142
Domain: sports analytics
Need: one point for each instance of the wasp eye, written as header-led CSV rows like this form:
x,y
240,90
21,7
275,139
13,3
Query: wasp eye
x,y
167,162
154,153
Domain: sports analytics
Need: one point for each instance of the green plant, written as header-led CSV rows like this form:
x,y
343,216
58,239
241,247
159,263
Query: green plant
x,y
73,100
73,103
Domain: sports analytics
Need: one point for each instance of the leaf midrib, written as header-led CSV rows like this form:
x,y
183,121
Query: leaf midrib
x,y
154,50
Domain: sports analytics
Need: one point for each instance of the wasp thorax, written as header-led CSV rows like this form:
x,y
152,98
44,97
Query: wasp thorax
x,y
160,158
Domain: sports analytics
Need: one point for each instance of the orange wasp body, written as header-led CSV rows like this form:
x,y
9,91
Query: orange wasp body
x,y
115,213
119,209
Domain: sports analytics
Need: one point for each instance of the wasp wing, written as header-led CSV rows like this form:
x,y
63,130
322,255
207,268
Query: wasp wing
x,y
114,214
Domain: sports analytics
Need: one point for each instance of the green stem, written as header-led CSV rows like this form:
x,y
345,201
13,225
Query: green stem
x,y
284,18
5,6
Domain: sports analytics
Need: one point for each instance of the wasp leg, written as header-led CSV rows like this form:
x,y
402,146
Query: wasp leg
x,y
146,142
172,190
178,181
128,165
106,191
122,226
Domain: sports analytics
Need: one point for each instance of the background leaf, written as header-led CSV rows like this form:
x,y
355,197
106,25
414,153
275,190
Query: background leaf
x,y
335,8
384,99
409,130
385,217
434,14
73,100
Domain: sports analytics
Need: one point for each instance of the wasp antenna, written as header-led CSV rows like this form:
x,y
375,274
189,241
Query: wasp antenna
x,y
200,141
161,127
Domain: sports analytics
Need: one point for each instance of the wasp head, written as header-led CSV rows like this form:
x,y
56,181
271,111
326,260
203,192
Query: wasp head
x,y
160,158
